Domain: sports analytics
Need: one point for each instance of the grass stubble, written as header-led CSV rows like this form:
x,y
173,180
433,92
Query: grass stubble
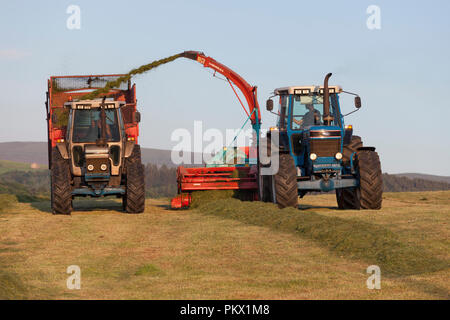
x,y
350,238
227,249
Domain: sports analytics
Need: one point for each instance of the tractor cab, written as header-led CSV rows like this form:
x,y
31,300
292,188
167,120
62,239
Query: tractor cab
x,y
314,135
87,122
95,139
315,146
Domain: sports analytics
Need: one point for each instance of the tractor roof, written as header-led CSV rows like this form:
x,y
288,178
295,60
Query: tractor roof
x,y
89,104
306,89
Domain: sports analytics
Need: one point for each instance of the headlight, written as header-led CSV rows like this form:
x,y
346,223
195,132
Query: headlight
x,y
90,167
338,156
103,167
313,156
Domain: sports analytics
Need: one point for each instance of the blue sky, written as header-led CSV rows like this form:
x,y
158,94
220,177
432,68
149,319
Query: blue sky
x,y
401,71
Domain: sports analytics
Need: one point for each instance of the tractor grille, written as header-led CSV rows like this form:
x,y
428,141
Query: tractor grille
x,y
325,147
97,162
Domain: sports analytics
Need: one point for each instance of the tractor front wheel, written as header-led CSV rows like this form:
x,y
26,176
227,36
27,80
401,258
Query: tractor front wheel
x,y
370,179
134,199
284,183
369,193
61,190
349,198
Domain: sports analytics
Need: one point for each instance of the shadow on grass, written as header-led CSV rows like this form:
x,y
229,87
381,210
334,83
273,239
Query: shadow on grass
x,y
83,205
435,290
165,206
97,205
308,206
43,206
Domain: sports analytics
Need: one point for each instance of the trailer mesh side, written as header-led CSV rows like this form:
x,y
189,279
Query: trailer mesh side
x,y
88,82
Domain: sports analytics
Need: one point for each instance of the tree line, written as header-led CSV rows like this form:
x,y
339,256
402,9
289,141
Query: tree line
x,y
161,181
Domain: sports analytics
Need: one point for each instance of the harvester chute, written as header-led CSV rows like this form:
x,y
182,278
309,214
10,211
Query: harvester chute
x,y
239,176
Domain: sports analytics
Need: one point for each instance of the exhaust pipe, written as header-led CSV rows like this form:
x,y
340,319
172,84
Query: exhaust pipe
x,y
327,118
102,140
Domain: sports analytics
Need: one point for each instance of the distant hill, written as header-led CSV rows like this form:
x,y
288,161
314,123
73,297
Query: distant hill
x,y
424,177
398,183
36,152
25,152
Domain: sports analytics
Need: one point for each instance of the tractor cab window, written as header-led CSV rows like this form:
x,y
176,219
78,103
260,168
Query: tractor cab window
x,y
306,111
87,126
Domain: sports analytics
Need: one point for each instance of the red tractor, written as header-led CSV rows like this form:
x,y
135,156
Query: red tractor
x,y
93,145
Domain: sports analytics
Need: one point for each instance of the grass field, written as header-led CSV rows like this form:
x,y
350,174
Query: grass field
x,y
229,249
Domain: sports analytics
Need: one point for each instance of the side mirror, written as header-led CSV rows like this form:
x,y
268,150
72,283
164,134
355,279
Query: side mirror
x,y
269,105
137,116
358,102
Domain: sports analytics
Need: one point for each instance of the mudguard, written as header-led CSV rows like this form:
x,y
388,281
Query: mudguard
x,y
129,146
366,148
62,148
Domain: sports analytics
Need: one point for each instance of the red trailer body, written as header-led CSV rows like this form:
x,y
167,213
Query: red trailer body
x,y
62,89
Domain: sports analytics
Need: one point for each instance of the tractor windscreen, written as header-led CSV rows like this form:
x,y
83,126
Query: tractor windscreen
x,y
307,110
87,126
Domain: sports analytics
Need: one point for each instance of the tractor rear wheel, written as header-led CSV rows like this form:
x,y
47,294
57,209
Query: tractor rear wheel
x,y
368,168
61,190
134,199
284,183
348,150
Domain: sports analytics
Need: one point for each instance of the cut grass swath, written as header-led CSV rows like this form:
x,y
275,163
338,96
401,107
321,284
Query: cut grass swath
x,y
345,237
116,83
6,201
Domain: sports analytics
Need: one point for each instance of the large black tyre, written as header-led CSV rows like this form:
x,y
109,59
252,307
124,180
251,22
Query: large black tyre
x,y
61,190
349,198
369,193
368,168
284,183
134,199
348,149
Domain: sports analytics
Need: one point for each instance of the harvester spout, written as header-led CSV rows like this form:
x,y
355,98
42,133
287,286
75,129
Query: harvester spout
x,y
191,54
327,118
233,79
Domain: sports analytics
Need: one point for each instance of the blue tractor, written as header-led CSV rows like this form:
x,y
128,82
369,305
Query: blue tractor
x,y
317,152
